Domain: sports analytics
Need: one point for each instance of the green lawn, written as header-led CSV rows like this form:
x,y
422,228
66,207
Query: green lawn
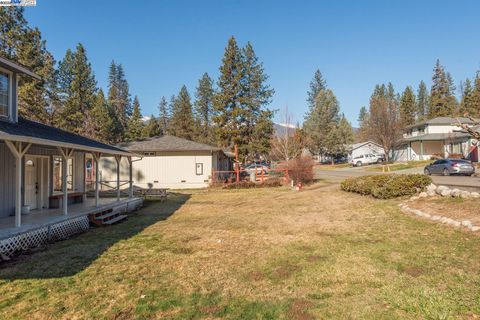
x,y
252,254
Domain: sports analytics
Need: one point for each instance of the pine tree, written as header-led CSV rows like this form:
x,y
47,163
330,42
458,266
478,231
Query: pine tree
x,y
475,112
37,99
321,120
338,139
119,99
203,108
135,123
182,124
442,99
78,88
227,100
467,104
99,124
164,115
316,85
408,107
362,133
257,123
422,101
152,129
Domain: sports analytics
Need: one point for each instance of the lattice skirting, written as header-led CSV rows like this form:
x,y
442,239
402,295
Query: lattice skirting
x,y
40,236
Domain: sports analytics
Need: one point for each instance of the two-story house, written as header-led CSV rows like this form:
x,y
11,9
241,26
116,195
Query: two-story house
x,y
43,172
437,137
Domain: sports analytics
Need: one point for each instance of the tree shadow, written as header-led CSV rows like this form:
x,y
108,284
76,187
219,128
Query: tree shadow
x,y
71,256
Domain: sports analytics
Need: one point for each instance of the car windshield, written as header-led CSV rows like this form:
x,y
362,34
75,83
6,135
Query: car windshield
x,y
459,161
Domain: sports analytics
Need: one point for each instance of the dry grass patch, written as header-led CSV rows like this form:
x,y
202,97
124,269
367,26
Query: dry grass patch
x,y
252,254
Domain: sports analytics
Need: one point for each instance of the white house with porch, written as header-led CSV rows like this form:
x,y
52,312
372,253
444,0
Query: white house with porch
x,y
43,175
437,137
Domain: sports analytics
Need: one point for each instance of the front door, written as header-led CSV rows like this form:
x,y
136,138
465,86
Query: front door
x,y
31,183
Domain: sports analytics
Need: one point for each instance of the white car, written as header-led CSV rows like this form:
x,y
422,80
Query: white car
x,y
364,159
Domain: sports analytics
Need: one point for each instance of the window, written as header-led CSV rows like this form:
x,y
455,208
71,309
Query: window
x,y
57,174
149,154
4,94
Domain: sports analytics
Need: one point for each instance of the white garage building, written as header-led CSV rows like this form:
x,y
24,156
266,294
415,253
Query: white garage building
x,y
167,162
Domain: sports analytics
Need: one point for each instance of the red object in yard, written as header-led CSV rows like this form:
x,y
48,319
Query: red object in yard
x,y
473,154
299,186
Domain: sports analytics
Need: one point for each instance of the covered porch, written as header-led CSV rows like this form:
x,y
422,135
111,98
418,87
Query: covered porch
x,y
439,145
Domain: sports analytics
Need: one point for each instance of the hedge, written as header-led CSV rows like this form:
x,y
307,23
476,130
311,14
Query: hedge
x,y
387,186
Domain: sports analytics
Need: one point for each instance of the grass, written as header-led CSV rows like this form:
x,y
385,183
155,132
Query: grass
x,y
327,166
398,166
252,254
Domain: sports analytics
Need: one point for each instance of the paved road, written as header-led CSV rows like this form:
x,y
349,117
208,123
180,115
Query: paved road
x,y
461,182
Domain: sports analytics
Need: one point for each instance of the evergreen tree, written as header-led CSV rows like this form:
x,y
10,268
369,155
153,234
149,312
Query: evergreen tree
x,y
77,87
203,108
338,139
467,104
227,101
119,99
362,133
99,124
442,99
475,112
408,107
164,114
37,99
422,101
135,123
182,124
257,123
316,85
152,129
320,121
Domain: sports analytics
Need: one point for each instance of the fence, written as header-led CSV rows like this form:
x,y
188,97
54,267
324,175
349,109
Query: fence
x,y
258,175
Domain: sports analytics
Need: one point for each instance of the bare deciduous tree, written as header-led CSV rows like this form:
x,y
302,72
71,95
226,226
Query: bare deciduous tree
x,y
469,128
288,144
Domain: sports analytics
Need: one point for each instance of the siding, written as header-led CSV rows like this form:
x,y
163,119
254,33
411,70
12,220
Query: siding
x,y
7,181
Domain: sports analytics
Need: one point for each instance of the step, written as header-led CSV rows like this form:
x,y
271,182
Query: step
x,y
116,219
101,213
106,215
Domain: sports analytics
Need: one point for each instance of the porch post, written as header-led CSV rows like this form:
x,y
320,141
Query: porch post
x,y
118,159
66,153
130,177
18,152
421,150
96,157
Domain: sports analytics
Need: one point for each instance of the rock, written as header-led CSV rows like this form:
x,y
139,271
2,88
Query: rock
x,y
418,212
414,198
446,193
436,218
427,215
465,194
475,229
467,223
475,195
431,193
440,189
443,220
455,193
431,187
423,195
455,223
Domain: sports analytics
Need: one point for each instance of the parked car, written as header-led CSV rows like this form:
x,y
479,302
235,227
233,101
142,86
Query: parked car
x,y
364,159
447,167
258,166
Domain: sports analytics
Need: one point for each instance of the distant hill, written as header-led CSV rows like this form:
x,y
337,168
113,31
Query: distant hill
x,y
281,128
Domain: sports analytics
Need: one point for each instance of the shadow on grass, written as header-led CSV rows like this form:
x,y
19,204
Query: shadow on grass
x,y
68,257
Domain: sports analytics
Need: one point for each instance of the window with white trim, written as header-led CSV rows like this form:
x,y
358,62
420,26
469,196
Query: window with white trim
x,y
4,94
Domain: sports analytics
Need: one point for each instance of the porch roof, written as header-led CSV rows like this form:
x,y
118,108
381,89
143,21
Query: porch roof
x,y
37,133
436,137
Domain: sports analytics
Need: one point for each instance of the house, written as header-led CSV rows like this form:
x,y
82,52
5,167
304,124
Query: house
x,y
170,162
43,174
363,148
437,137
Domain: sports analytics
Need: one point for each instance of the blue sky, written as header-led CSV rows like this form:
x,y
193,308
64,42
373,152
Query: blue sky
x,y
356,44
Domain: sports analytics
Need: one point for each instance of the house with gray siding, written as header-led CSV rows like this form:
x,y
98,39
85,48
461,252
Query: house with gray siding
x,y
43,170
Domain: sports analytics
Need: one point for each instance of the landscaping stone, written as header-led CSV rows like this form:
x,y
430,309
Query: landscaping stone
x,y
475,229
475,194
431,187
423,195
431,193
446,192
465,194
436,218
440,189
456,193
467,223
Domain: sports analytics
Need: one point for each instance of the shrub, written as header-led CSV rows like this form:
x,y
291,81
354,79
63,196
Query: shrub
x,y
300,169
387,186
273,182
247,184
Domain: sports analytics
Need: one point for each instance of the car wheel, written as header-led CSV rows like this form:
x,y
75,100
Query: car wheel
x,y
427,172
446,172
358,164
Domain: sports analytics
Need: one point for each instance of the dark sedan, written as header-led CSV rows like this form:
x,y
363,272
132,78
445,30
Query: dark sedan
x,y
448,167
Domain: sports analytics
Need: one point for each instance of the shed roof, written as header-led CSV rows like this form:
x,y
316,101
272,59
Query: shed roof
x,y
166,143
360,144
34,132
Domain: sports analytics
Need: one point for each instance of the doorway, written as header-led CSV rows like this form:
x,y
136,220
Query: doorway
x,y
36,182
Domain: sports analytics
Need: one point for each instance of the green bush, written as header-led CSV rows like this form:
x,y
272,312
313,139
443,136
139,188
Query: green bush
x,y
387,186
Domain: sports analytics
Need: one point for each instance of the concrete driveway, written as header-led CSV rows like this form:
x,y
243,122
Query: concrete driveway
x,y
460,182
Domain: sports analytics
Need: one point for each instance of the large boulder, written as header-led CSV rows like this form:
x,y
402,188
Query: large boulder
x,y
456,193
431,187
465,194
446,192
440,189
475,195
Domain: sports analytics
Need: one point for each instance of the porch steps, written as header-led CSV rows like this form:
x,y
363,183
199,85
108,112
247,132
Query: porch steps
x,y
106,217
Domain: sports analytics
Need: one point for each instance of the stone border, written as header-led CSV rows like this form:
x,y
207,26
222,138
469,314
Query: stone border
x,y
445,220
444,191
